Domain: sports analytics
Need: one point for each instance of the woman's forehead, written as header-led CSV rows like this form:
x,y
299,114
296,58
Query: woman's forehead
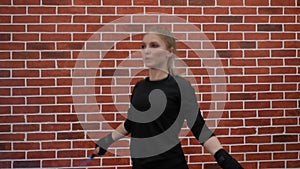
x,y
152,37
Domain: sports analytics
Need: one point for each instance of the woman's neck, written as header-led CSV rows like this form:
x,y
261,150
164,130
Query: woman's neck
x,y
157,74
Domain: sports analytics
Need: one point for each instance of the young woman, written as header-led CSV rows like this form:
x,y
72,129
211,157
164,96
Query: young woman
x,y
159,105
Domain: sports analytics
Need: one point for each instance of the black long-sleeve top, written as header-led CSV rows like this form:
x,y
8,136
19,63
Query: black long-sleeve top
x,y
155,117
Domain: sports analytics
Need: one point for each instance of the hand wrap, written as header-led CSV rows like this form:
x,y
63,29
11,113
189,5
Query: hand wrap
x,y
104,143
226,161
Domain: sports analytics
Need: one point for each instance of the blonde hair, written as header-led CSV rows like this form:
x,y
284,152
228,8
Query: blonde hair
x,y
170,42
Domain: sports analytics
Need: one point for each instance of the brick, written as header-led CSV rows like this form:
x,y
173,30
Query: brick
x,y
57,2
12,46
56,109
26,2
285,138
284,87
12,28
40,28
271,147
58,54
287,70
56,19
5,2
258,139
56,37
40,46
72,10
256,71
270,62
40,136
292,44
282,3
41,118
230,3
41,64
255,122
174,2
40,82
5,19
25,55
216,10
4,37
229,19
12,137
201,3
40,100
4,73
282,19
269,44
269,27
243,10
70,135
86,19
56,163
293,164
26,127
256,3
12,100
25,73
41,154
292,10
26,146
270,130
256,53
243,28
118,161
272,164
259,19
70,45
165,10
201,19
292,78
229,36
270,10
116,2
242,45
70,28
5,92
25,37
26,164
56,73
270,113
268,96
284,53
130,10
25,110
56,91
55,127
99,10
56,145
26,19
12,82
41,10
13,10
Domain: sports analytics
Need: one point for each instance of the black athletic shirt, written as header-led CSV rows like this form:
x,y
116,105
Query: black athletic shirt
x,y
155,117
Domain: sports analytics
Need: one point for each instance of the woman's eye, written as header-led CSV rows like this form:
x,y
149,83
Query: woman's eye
x,y
143,46
154,45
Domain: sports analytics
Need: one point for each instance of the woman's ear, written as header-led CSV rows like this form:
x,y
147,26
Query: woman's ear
x,y
171,50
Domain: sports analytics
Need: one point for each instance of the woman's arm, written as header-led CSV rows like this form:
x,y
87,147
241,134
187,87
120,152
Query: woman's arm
x,y
212,145
120,132
224,159
103,143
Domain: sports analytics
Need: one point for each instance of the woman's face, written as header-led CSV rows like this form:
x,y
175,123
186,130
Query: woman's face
x,y
154,52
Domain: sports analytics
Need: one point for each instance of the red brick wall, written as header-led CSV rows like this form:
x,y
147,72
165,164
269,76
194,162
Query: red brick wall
x,y
55,81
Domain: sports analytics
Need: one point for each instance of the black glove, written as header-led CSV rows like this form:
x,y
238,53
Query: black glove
x,y
226,161
104,143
